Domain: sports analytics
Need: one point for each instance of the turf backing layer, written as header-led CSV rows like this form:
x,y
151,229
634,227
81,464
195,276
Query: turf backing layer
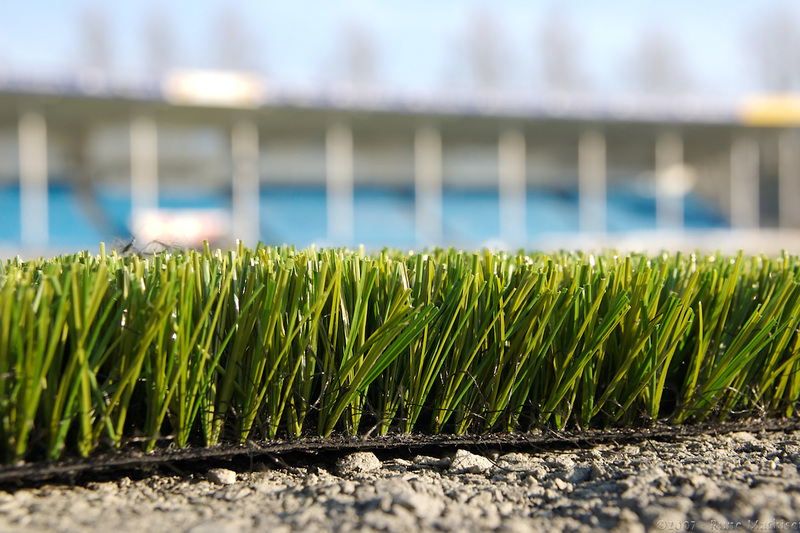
x,y
293,453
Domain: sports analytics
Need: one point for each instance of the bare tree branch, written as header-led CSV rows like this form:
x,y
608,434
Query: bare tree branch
x,y
482,58
95,40
774,44
358,60
658,64
559,53
159,42
236,49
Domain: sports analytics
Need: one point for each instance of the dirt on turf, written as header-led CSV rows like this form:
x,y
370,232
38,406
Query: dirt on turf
x,y
741,481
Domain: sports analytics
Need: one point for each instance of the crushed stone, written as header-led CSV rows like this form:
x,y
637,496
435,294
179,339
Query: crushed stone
x,y
741,481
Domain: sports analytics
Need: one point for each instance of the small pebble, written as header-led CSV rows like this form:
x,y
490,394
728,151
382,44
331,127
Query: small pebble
x,y
222,476
356,463
465,462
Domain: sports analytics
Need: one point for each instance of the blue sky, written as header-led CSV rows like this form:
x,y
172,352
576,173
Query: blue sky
x,y
416,41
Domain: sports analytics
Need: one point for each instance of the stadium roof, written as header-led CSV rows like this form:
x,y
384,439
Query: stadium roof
x,y
248,91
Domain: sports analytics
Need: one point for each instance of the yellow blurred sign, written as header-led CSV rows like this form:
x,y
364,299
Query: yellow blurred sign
x,y
214,88
771,111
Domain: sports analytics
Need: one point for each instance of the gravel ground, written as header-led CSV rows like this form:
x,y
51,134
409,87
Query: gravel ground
x,y
740,481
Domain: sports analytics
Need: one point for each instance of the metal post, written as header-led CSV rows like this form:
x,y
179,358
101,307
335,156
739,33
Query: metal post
x,y
670,181
511,163
744,183
428,186
33,197
592,181
789,179
144,166
339,181
245,153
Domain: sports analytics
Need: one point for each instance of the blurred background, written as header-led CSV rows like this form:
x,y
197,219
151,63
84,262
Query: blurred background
x,y
508,124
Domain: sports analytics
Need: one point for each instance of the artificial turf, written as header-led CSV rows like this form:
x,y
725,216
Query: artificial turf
x,y
205,347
